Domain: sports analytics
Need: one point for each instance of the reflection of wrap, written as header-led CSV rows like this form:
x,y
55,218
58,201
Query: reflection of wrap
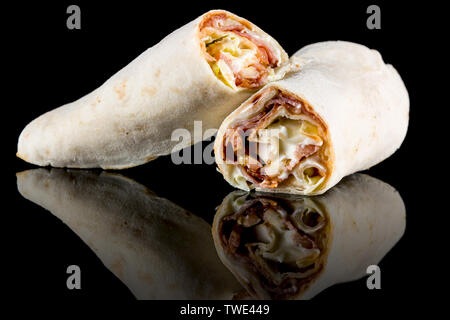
x,y
201,71
344,111
159,250
314,243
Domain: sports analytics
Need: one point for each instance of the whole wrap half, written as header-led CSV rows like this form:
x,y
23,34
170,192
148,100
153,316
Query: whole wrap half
x,y
200,72
156,248
294,247
343,110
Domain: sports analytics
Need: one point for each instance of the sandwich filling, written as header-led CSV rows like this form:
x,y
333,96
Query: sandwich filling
x,y
280,242
280,141
238,56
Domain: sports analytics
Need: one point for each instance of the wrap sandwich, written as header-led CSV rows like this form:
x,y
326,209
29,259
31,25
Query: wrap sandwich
x,y
200,72
294,247
341,111
156,248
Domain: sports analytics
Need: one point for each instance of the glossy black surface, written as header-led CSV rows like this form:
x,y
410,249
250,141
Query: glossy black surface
x,y
52,66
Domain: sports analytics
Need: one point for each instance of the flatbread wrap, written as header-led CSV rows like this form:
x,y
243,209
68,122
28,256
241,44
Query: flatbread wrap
x,y
343,110
156,248
200,72
293,247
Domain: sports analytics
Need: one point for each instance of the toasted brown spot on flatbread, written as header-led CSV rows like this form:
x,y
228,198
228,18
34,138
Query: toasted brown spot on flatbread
x,y
175,89
118,268
120,89
146,277
149,90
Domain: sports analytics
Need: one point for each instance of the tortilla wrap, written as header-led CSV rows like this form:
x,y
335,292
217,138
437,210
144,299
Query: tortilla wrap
x,y
200,72
294,247
343,110
157,249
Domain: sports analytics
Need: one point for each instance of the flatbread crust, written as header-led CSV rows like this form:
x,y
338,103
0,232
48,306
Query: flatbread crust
x,y
361,100
129,120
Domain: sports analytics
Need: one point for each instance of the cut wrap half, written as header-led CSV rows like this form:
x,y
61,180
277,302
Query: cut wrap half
x,y
156,248
200,72
343,110
294,247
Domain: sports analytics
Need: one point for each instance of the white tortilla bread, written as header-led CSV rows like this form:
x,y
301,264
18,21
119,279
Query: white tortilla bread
x,y
156,248
129,120
361,101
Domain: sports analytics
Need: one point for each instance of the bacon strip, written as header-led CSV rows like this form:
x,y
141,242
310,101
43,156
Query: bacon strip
x,y
235,138
265,53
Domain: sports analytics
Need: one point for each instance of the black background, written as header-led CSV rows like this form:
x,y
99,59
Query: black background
x,y
48,65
